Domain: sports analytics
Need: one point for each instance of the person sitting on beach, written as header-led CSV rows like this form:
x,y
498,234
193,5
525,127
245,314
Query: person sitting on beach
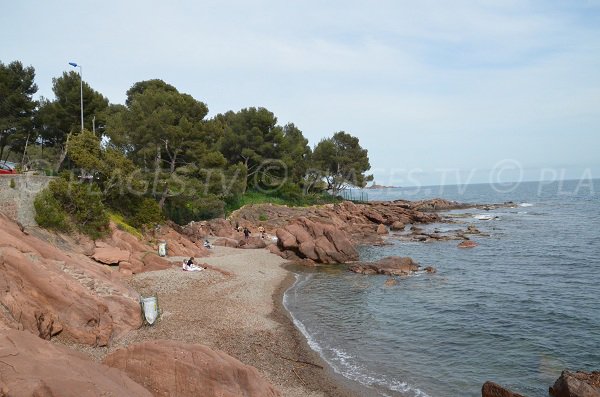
x,y
190,266
207,244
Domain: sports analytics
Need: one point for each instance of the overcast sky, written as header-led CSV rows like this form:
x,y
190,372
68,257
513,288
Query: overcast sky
x,y
437,91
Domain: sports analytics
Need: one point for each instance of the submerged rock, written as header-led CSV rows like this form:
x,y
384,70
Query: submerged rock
x,y
467,244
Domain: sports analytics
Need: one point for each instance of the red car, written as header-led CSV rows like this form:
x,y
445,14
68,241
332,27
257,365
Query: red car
x,y
7,168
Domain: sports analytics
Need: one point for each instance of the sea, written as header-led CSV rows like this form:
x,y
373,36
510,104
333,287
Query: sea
x,y
517,309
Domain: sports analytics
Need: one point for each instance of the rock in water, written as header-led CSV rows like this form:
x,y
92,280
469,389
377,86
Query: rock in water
x,y
390,282
391,266
170,368
381,229
577,384
34,367
491,389
467,244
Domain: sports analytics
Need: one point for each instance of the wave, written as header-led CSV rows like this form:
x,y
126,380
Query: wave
x,y
345,364
525,205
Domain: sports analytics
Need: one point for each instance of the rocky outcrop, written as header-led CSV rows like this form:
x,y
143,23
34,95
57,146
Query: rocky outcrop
x,y
491,389
467,244
318,242
391,266
169,368
382,230
358,221
34,367
577,384
48,291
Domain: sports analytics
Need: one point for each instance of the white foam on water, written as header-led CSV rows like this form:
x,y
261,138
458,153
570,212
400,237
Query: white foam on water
x,y
483,217
525,205
345,364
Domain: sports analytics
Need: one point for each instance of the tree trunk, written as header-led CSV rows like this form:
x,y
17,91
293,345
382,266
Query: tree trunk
x,y
63,153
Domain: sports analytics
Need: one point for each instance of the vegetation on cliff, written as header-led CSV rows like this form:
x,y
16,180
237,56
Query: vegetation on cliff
x,y
159,156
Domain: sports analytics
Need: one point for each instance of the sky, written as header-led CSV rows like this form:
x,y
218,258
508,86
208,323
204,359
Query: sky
x,y
439,92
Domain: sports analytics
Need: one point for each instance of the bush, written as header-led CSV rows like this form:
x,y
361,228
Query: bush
x,y
79,206
147,213
49,213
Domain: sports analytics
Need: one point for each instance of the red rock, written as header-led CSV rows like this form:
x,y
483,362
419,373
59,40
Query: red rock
x,y
34,367
253,243
391,266
397,225
170,368
154,262
287,240
381,229
110,255
467,244
320,242
227,242
576,384
47,291
491,389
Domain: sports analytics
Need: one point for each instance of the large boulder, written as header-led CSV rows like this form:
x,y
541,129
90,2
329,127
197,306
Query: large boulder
x,y
320,242
170,368
34,367
577,384
491,389
48,291
391,266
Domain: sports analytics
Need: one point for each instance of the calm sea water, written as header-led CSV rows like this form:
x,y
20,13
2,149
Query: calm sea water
x,y
517,309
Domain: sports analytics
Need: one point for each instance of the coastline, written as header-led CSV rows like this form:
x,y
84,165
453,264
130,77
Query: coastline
x,y
235,306
324,379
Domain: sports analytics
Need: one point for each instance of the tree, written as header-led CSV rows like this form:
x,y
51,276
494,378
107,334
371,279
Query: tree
x,y
16,105
295,153
159,126
61,118
342,162
253,137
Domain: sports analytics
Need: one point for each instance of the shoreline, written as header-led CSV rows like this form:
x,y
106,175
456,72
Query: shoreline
x,y
235,306
326,379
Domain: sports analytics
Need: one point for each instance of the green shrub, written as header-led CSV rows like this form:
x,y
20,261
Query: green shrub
x,y
263,217
49,213
146,213
79,206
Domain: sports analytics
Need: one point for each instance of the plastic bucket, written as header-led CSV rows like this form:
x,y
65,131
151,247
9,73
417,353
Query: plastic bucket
x,y
150,309
162,249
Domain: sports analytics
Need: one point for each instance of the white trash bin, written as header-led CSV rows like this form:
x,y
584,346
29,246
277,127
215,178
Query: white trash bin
x,y
150,309
162,249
